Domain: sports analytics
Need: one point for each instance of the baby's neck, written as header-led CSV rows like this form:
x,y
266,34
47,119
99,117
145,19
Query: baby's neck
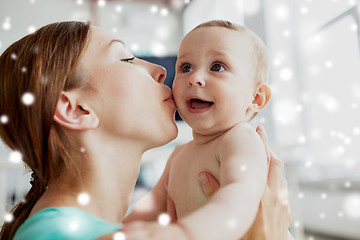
x,y
200,138
203,139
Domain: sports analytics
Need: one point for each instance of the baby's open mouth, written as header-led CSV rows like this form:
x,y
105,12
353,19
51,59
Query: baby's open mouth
x,y
196,103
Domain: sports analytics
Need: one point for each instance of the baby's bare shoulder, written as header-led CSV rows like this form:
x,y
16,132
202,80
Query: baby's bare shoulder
x,y
240,132
242,137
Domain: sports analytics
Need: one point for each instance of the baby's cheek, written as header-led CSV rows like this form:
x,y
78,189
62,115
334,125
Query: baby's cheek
x,y
176,92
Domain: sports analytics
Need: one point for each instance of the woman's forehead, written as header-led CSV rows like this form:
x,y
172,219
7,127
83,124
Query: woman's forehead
x,y
101,42
100,38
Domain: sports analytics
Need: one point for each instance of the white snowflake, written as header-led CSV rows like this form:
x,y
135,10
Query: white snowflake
x,y
286,74
31,29
351,205
101,3
134,47
301,195
13,56
164,12
308,164
119,236
158,49
83,198
15,157
296,224
164,219
304,10
118,8
323,195
330,103
352,2
302,139
285,111
28,98
356,130
276,62
231,223
353,27
281,12
243,168
4,119
6,24
8,217
44,80
347,141
347,184
154,9
328,64
286,33
73,225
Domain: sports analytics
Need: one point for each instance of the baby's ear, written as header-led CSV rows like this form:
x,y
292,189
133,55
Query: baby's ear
x,y
262,96
70,114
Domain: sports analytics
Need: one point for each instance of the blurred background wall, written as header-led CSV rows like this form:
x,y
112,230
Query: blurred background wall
x,y
313,118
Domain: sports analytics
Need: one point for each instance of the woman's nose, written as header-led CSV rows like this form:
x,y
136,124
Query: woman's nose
x,y
157,72
197,81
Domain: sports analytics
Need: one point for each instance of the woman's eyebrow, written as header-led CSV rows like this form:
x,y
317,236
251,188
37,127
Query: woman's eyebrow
x,y
116,40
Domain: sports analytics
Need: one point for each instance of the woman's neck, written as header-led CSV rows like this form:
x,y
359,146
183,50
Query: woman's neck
x,y
107,178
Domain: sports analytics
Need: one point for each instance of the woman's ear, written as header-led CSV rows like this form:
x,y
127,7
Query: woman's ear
x,y
262,96
72,115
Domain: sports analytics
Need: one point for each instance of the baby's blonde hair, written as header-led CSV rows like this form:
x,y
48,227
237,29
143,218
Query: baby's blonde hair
x,y
260,50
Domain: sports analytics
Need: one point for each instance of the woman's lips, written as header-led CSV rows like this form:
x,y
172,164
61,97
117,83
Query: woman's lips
x,y
170,99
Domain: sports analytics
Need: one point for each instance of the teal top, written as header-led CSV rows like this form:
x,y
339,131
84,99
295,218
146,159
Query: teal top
x,y
65,223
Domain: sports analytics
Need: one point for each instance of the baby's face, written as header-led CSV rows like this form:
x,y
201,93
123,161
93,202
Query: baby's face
x,y
214,82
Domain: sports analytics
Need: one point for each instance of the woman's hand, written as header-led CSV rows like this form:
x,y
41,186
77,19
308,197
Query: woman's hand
x,y
273,218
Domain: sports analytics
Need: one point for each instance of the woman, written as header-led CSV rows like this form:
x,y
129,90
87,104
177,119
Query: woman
x,y
96,110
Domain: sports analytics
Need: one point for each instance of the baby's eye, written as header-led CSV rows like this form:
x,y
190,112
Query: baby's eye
x,y
186,68
217,67
129,60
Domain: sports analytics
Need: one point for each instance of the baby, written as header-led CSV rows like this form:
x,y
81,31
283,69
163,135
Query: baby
x,y
220,85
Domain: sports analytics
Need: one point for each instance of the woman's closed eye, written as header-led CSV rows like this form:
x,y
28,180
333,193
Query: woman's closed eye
x,y
129,60
217,67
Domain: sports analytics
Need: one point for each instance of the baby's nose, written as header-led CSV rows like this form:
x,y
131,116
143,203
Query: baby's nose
x,y
196,81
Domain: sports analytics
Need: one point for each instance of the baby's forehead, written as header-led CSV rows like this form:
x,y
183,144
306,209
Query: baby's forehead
x,y
220,36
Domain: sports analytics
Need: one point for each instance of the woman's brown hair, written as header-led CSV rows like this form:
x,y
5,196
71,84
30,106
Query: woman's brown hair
x,y
42,64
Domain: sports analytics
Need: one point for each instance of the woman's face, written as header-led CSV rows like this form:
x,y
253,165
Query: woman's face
x,y
127,93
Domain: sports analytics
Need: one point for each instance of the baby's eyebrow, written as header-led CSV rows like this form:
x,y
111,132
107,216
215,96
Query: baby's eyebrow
x,y
219,53
184,55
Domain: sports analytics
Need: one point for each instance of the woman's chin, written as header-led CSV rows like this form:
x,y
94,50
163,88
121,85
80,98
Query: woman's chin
x,y
168,136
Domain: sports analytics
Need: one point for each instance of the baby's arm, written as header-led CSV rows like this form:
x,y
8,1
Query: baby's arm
x,y
232,210
152,204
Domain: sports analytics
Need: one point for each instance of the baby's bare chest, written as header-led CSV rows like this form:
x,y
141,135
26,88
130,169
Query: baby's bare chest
x,y
184,187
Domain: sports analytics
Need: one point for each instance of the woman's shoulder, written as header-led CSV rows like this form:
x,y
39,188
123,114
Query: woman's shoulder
x,y
64,223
